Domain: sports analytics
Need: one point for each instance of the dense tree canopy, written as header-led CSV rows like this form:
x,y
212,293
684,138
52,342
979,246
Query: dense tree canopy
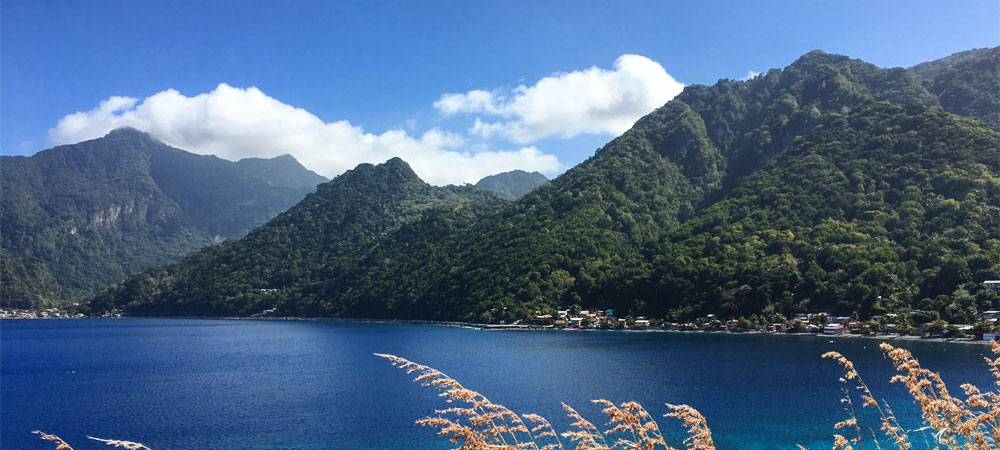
x,y
514,184
967,83
307,259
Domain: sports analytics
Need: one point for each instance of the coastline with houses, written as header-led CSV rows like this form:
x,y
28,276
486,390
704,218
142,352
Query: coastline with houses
x,y
913,324
886,326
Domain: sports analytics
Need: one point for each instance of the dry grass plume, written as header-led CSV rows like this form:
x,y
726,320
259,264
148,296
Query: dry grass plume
x,y
479,424
62,445
953,423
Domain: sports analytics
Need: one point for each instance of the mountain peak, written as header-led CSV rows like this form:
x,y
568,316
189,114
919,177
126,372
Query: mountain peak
x,y
399,168
395,161
394,170
128,132
282,170
284,159
817,57
514,184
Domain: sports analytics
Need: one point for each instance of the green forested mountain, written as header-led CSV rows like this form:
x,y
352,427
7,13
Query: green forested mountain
x,y
514,184
77,218
306,259
580,239
821,186
880,209
967,83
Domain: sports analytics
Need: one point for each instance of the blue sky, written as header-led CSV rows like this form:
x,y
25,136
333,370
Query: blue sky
x,y
378,68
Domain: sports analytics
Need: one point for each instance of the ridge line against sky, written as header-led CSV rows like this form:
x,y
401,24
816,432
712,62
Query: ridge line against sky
x,y
458,89
236,123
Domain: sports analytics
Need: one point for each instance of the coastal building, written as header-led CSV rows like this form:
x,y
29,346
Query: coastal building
x,y
833,330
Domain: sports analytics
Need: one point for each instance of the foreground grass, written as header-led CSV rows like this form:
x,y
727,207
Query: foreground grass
x,y
62,445
474,422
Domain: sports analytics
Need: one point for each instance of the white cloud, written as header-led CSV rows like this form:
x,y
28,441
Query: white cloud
x,y
469,102
590,101
749,76
236,123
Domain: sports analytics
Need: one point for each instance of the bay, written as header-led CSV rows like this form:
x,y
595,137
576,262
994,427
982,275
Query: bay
x,y
241,384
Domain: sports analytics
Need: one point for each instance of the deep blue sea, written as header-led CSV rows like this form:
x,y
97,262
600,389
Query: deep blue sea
x,y
240,384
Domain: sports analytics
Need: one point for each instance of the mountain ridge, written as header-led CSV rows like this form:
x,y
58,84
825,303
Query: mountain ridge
x,y
959,82
88,214
612,231
325,236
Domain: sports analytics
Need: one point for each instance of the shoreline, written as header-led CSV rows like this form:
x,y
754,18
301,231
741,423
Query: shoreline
x,y
541,328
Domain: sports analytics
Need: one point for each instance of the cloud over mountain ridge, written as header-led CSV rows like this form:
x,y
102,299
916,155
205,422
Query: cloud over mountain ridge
x,y
235,123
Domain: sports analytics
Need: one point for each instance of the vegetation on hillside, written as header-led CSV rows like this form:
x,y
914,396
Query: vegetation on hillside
x,y
74,219
966,83
514,184
306,260
831,185
879,210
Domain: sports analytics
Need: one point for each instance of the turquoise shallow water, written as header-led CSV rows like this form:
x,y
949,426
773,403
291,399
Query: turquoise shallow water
x,y
226,384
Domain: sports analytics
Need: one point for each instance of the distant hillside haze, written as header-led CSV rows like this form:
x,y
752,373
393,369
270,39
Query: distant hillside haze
x,y
76,218
830,185
281,171
514,184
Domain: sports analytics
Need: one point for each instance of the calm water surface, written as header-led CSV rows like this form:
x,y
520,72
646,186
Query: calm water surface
x,y
226,384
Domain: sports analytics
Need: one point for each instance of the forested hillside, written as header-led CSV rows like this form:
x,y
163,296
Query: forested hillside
x,y
967,83
878,210
580,239
304,259
829,185
514,184
77,218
